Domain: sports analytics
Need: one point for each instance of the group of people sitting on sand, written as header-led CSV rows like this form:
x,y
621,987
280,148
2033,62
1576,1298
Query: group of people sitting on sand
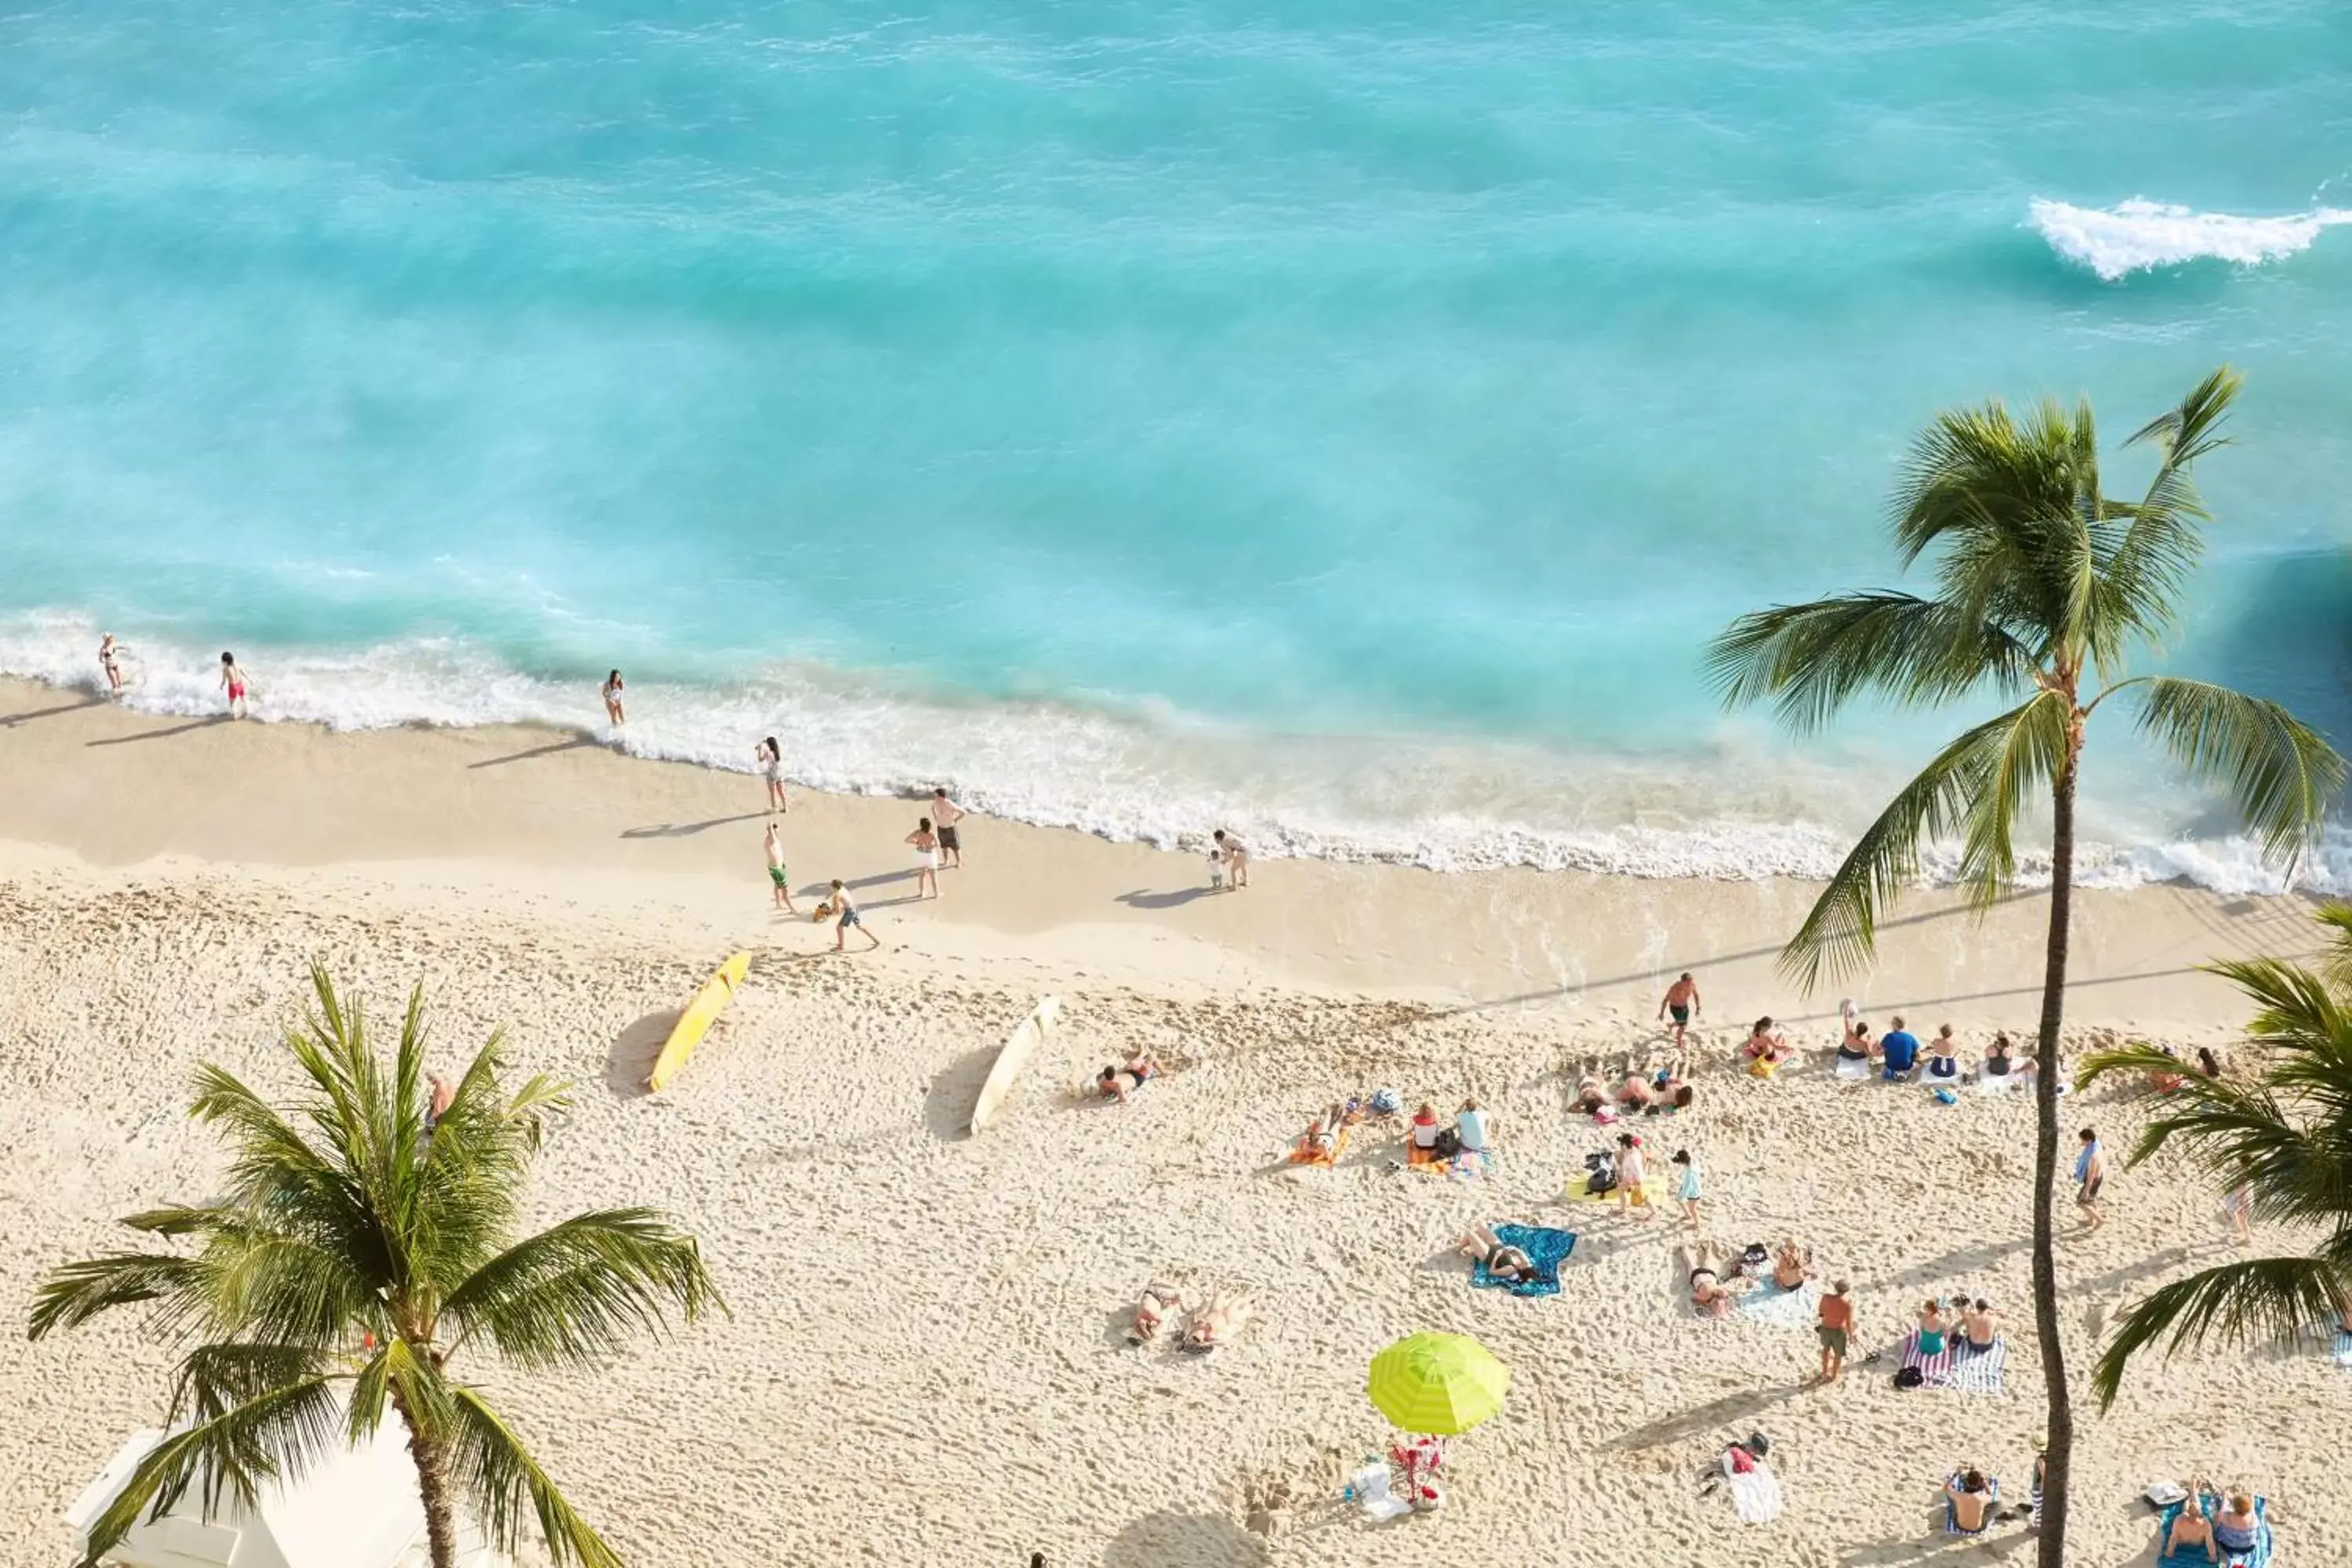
x,y
1633,1093
2214,1523
1430,1140
1211,1325
1900,1056
1715,1270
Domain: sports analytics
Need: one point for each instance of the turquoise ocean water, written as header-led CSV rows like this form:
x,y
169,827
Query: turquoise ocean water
x,y
1343,422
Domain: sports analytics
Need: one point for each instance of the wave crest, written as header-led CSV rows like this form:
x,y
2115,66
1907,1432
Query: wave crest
x,y
2137,235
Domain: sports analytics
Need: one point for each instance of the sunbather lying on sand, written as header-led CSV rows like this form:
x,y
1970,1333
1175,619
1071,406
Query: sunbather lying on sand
x,y
1709,1299
1119,1082
1664,1091
1321,1138
1591,1095
1213,1324
1506,1263
1161,1300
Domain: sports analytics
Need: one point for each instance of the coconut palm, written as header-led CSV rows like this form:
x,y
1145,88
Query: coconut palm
x,y
2284,1132
350,1260
2042,587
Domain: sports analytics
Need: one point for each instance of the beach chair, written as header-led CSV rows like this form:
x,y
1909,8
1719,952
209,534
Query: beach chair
x,y
1992,1506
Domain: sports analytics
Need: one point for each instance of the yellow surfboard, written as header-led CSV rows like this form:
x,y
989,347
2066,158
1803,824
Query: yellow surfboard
x,y
696,1021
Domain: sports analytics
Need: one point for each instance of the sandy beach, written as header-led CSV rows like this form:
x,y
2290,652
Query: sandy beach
x,y
925,1361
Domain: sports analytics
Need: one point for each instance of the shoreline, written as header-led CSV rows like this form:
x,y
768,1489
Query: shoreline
x,y
115,787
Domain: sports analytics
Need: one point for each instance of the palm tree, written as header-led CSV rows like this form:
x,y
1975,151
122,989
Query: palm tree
x,y
351,1258
2043,585
2284,1132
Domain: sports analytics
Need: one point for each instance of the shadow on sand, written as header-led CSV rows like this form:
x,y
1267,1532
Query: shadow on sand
x,y
634,1050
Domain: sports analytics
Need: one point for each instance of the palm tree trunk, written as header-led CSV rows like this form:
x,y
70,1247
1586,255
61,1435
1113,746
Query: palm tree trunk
x,y
431,1490
2049,1075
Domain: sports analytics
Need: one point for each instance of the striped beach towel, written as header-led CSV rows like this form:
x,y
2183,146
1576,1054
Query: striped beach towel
x,y
1935,1370
1978,1371
1952,1515
1768,1303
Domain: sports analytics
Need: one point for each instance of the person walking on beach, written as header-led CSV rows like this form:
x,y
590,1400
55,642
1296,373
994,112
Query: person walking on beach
x,y
779,878
107,648
1836,1324
437,1104
233,682
1236,856
2090,1175
845,915
614,686
1682,1001
946,814
770,758
927,858
1687,1191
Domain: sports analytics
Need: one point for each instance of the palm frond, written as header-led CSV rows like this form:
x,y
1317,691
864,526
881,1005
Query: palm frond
x,y
275,1436
2277,771
1839,935
508,1485
78,1293
579,1292
2030,751
2253,1301
213,1379
1815,657
2149,564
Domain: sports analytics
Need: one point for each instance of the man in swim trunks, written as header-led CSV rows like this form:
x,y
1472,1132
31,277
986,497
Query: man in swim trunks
x,y
1682,1001
945,814
846,916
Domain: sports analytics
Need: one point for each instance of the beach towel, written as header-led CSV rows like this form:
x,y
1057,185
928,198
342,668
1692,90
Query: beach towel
x,y
1371,1488
1546,1248
1319,1157
1997,1082
1952,1514
1756,1495
1935,1370
1768,1304
1858,1072
1655,1190
1978,1371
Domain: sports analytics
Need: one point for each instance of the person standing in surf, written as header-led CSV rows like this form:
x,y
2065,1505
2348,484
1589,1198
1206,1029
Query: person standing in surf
x,y
1236,858
233,682
946,814
770,758
614,686
107,650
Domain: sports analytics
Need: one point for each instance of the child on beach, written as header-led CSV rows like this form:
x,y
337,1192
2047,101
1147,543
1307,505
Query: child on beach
x,y
233,682
1836,1324
1686,1192
778,878
1631,1171
846,916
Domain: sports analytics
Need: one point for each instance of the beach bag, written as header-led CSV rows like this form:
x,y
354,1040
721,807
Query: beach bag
x,y
1385,1102
1603,1176
1909,1377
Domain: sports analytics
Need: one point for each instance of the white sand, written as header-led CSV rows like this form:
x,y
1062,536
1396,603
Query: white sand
x,y
925,1362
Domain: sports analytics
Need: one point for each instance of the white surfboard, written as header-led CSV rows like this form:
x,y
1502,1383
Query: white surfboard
x,y
1018,1048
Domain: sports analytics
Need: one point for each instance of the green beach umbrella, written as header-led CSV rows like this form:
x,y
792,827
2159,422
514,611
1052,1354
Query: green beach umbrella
x,y
1437,1383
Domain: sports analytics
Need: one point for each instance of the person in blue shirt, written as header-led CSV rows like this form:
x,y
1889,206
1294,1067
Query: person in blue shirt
x,y
1899,1048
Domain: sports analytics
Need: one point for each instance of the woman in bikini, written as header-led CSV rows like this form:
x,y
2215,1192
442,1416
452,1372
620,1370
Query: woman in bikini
x,y
927,858
770,758
1504,1263
1765,1049
614,687
1793,1266
106,649
1856,1049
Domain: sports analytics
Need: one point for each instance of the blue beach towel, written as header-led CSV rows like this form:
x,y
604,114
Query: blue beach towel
x,y
2194,1556
1546,1248
1952,1514
1768,1303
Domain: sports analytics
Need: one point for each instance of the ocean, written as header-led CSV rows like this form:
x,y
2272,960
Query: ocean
x,y
1345,423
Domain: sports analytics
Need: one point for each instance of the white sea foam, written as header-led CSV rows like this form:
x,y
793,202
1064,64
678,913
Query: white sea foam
x,y
2137,235
1445,803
